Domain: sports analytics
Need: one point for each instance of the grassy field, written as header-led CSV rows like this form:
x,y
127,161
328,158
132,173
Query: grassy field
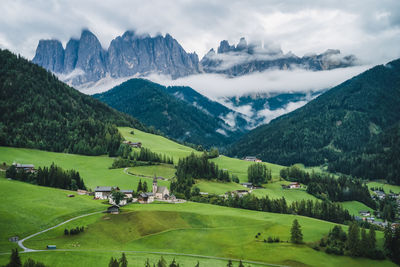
x,y
200,229
94,170
164,170
96,258
217,187
386,187
239,167
354,207
157,143
163,145
274,190
26,208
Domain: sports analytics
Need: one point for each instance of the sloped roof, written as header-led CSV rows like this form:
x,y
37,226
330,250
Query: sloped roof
x,y
105,188
162,189
127,191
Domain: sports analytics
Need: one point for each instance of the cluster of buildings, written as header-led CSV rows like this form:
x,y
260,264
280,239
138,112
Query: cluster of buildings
x,y
133,144
158,193
253,159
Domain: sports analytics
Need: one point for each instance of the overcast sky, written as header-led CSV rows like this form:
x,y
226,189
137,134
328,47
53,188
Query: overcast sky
x,y
369,29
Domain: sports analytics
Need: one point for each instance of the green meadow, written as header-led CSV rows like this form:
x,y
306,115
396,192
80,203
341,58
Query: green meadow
x,y
93,169
217,188
164,170
200,229
274,190
354,207
26,209
386,187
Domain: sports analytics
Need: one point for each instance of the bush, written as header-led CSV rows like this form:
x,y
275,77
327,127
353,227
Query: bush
x,y
270,240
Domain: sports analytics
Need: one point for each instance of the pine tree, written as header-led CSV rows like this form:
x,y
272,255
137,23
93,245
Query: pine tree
x,y
241,263
173,263
353,239
198,264
364,243
162,262
372,239
295,233
123,262
147,263
15,260
145,188
139,187
230,264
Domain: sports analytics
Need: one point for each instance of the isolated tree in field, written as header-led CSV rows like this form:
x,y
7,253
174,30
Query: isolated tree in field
x,y
353,240
230,264
15,260
117,196
241,263
296,235
123,262
198,264
147,263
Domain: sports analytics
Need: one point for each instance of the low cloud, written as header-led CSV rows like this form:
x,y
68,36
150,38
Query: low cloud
x,y
216,86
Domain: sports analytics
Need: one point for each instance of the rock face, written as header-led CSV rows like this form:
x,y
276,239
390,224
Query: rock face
x,y
84,61
245,58
50,54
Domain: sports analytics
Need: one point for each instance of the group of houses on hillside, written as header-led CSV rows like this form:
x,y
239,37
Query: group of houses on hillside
x,y
158,193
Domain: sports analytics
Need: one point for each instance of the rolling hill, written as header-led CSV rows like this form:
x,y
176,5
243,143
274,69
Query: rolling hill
x,y
39,111
194,120
354,122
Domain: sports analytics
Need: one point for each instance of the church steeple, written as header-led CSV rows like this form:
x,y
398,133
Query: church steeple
x,y
154,184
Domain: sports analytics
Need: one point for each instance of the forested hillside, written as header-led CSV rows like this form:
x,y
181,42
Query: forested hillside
x,y
39,111
352,127
155,106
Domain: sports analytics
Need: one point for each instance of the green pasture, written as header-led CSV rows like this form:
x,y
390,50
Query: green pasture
x,y
93,169
386,187
26,209
217,188
164,170
354,207
274,190
200,229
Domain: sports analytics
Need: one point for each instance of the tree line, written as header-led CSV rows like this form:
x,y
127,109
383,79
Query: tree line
x,y
324,210
53,176
326,186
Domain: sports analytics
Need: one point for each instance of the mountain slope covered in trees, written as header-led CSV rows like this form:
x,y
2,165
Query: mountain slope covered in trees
x,y
39,111
164,109
352,127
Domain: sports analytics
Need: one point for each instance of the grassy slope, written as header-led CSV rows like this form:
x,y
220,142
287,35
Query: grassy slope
x,y
26,208
202,229
354,207
274,190
164,170
94,170
386,187
217,187
157,143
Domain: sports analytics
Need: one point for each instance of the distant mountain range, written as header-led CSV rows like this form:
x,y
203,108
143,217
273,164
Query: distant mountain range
x,y
179,112
246,58
354,128
84,62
